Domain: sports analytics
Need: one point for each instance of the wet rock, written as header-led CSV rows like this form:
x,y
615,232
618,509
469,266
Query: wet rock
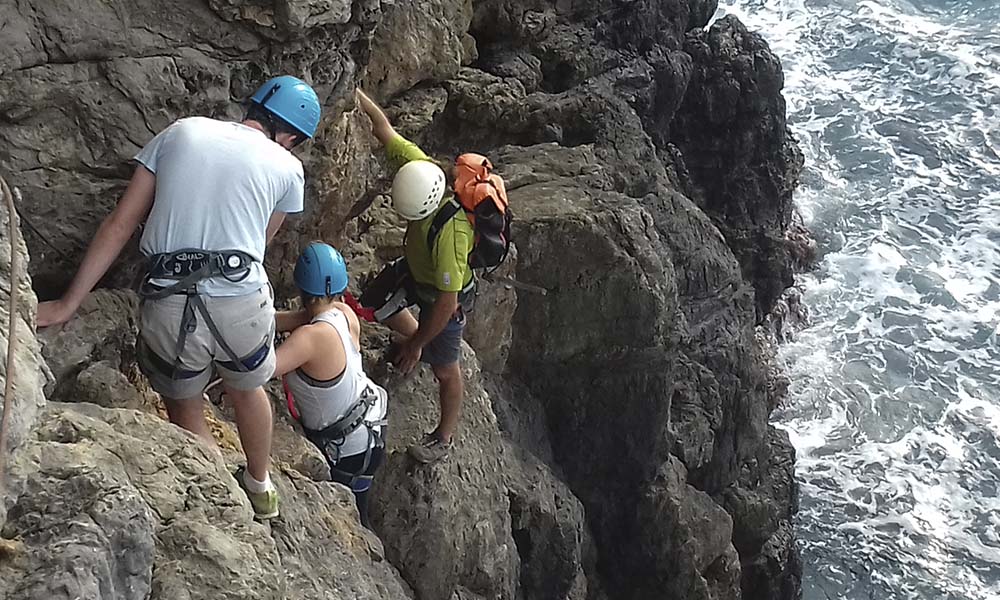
x,y
701,11
763,503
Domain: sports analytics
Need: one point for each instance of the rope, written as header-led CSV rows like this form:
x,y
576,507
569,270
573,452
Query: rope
x,y
8,391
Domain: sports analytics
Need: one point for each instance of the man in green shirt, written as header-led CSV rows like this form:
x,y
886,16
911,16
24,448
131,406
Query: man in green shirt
x,y
437,278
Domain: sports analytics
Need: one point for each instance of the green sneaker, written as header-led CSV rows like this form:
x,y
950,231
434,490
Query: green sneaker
x,y
265,505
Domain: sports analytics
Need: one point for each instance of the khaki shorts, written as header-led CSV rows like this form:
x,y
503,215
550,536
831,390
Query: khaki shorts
x,y
246,324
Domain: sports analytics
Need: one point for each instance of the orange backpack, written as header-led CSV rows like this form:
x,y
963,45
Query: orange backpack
x,y
483,197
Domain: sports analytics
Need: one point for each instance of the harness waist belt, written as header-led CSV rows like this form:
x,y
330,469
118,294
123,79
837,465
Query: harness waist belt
x,y
189,266
352,419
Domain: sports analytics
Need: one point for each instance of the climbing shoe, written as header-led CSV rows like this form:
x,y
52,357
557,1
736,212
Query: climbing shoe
x,y
429,449
265,505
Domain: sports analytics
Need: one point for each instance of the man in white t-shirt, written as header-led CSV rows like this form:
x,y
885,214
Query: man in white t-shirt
x,y
213,194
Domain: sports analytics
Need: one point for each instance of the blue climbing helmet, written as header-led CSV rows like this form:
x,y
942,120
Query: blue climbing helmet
x,y
291,100
321,271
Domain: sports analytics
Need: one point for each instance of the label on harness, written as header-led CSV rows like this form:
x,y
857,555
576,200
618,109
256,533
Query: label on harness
x,y
185,263
182,264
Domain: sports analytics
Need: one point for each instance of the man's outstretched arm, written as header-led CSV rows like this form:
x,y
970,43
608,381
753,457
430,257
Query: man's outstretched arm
x,y
111,237
381,126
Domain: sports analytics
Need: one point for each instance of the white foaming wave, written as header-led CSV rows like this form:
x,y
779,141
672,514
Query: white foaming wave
x,y
917,516
923,518
948,40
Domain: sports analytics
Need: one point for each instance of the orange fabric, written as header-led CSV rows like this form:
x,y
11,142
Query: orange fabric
x,y
475,182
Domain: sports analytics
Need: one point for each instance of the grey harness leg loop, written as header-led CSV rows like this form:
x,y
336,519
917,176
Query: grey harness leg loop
x,y
200,305
188,324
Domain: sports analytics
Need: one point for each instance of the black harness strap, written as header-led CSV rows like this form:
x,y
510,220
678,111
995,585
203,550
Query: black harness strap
x,y
352,419
444,214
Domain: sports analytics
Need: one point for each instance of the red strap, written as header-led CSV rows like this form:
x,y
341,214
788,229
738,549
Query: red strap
x,y
289,400
368,314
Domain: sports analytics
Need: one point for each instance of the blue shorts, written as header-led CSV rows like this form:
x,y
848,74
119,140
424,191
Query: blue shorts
x,y
446,348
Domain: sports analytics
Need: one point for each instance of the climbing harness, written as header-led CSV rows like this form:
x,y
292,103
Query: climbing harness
x,y
186,268
394,289
332,437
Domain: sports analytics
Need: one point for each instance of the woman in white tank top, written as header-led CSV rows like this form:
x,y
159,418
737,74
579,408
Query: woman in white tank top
x,y
341,410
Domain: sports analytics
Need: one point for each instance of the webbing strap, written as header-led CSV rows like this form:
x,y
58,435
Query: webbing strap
x,y
362,476
188,325
368,314
330,438
289,400
215,263
342,427
221,341
444,214
148,292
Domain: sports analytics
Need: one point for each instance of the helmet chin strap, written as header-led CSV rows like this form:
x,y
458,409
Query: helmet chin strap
x,y
271,128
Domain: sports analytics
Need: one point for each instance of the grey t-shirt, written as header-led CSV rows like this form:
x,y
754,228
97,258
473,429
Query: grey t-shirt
x,y
217,185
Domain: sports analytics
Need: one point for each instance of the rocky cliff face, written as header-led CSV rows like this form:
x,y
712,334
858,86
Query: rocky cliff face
x,y
31,372
614,442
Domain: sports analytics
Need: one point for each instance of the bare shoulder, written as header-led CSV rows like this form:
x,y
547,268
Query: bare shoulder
x,y
352,318
308,331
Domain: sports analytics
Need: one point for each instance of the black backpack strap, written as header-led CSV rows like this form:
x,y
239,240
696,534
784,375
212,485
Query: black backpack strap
x,y
444,214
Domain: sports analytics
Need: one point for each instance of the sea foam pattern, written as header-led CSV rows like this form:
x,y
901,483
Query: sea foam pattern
x,y
894,407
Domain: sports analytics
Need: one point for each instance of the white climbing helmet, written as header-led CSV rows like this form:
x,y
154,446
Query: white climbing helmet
x,y
417,189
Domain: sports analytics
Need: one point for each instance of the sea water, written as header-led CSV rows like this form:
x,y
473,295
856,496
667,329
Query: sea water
x,y
894,407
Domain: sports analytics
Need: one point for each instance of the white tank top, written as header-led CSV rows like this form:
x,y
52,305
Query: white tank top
x,y
323,403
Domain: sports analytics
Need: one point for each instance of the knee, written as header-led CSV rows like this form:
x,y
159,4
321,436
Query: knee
x,y
242,397
448,374
184,406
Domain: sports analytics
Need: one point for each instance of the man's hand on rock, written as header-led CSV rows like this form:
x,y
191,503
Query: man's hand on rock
x,y
54,312
408,356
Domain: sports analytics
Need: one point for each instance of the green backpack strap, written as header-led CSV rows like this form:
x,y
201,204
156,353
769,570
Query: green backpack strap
x,y
444,214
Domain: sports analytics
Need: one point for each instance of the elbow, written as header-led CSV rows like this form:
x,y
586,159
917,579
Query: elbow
x,y
449,302
280,369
